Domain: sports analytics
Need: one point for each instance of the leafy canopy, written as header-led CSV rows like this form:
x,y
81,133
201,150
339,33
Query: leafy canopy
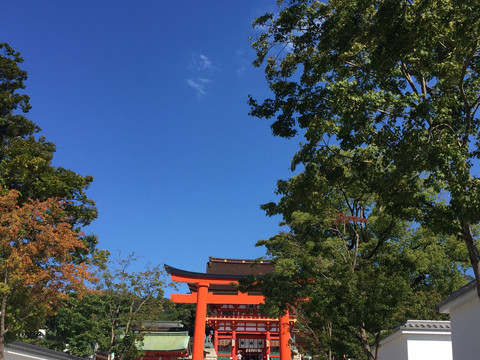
x,y
43,252
37,263
346,268
26,160
398,80
109,320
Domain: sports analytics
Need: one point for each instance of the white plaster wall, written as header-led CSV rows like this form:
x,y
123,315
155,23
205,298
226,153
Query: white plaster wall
x,y
411,345
427,347
395,349
465,323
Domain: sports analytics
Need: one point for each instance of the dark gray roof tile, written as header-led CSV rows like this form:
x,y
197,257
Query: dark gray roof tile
x,y
35,349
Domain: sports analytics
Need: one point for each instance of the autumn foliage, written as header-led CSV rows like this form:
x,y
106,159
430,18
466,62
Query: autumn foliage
x,y
345,219
37,247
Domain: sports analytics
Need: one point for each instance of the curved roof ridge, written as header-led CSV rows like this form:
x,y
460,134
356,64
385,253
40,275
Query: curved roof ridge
x,y
243,261
172,270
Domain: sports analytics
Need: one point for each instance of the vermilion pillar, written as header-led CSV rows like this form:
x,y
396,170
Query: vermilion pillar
x,y
200,320
284,334
215,340
234,345
267,343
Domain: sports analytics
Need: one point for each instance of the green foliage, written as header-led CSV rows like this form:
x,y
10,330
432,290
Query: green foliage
x,y
348,269
107,320
26,160
78,326
385,94
132,298
181,312
398,80
23,315
26,166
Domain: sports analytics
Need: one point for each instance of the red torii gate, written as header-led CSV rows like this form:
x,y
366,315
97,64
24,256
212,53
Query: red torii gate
x,y
202,297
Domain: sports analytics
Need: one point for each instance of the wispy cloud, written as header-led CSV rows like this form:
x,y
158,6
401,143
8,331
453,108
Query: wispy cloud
x,y
201,62
204,62
198,85
240,71
202,68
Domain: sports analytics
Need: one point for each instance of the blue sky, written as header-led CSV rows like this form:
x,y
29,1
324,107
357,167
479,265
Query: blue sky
x,y
150,97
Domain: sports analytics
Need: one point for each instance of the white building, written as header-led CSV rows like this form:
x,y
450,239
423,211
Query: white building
x,y
464,309
418,340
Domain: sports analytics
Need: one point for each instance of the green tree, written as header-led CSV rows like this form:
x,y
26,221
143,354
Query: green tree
x,y
26,166
108,319
77,327
347,269
132,298
179,312
397,78
26,160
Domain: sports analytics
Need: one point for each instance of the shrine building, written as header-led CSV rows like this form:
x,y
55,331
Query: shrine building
x,y
164,340
238,326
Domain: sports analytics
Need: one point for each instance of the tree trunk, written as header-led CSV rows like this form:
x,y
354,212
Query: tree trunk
x,y
366,348
2,327
472,252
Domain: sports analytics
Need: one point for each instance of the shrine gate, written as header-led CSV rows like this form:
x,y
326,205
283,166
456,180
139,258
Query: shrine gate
x,y
238,326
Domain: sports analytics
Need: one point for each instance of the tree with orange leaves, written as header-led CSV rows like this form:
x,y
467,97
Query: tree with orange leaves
x,y
37,247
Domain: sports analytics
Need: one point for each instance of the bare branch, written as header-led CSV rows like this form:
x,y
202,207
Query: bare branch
x,y
408,77
424,87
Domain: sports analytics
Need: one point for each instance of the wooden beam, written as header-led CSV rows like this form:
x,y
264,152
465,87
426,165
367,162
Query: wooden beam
x,y
196,280
184,298
239,299
240,319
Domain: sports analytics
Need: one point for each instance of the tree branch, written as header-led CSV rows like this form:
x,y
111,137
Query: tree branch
x,y
408,77
462,76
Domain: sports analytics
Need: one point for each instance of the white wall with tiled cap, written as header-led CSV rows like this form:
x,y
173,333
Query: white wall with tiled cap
x,y
464,309
418,340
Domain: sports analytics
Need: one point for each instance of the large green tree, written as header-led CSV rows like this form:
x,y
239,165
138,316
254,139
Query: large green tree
x,y
26,168
346,268
26,159
133,297
397,78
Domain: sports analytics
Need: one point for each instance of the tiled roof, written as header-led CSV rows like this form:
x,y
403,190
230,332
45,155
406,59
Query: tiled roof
x,y
412,328
165,341
238,266
433,325
161,325
19,346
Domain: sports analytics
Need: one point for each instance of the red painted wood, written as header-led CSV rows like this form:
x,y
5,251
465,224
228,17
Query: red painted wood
x,y
239,299
285,353
200,319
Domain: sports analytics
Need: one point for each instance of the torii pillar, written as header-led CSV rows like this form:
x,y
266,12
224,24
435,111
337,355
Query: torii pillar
x,y
200,320
284,334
